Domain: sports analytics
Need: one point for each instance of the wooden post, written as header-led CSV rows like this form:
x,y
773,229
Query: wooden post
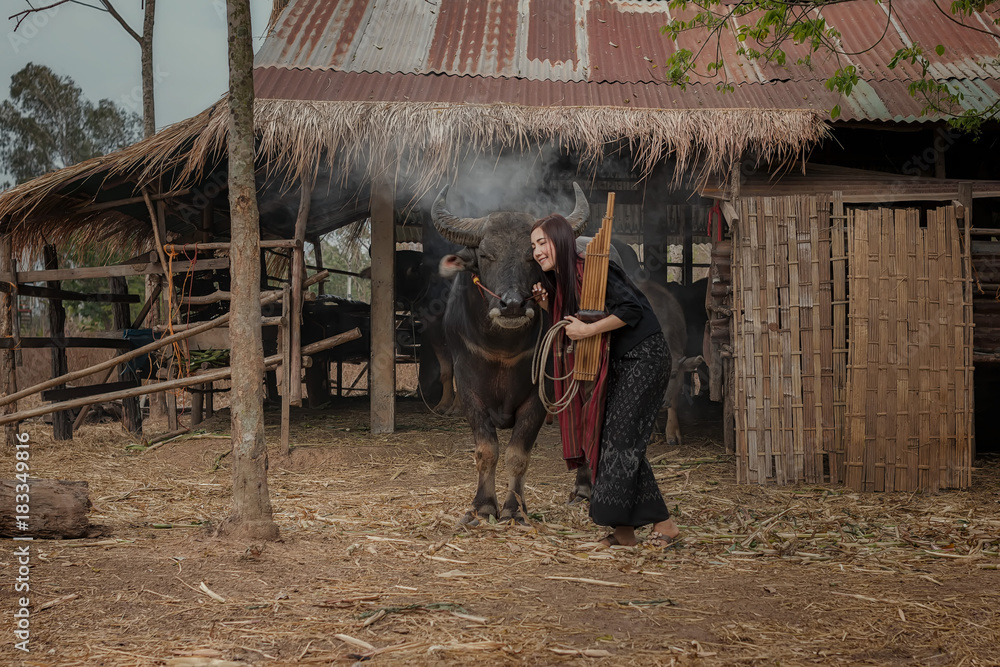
x,y
298,271
131,413
687,249
317,244
62,422
172,371
965,198
286,377
8,314
382,365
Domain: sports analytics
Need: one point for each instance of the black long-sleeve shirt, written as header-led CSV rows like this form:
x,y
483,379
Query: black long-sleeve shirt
x,y
624,300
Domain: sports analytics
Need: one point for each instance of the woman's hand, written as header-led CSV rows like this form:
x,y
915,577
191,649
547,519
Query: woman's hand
x,y
541,296
577,329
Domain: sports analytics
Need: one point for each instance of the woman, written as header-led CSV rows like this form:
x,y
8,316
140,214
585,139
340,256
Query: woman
x,y
625,494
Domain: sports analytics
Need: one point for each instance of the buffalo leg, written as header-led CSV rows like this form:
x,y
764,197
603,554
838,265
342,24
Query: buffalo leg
x,y
529,422
447,381
583,486
485,504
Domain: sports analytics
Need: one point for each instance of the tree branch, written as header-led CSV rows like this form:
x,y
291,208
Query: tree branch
x,y
118,17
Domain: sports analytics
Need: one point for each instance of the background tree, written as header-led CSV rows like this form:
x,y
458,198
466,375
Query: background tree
x,y
47,124
764,27
145,41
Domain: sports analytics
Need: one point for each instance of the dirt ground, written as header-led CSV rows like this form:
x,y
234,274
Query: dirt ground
x,y
370,564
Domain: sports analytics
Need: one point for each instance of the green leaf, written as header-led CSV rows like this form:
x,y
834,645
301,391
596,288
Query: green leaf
x,y
939,49
835,112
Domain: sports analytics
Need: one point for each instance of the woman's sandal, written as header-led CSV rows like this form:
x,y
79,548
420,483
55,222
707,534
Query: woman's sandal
x,y
610,541
661,541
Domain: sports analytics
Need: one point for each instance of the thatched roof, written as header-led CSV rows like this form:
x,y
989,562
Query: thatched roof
x,y
419,143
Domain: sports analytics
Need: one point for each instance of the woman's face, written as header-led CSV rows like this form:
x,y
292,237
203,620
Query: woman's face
x,y
542,250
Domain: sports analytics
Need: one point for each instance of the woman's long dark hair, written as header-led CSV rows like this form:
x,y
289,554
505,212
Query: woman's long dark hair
x,y
563,279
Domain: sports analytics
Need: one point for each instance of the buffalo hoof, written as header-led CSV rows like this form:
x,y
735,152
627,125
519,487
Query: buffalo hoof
x,y
470,520
516,517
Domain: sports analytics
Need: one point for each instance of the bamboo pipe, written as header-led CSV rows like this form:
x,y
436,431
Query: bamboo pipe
x,y
145,349
180,383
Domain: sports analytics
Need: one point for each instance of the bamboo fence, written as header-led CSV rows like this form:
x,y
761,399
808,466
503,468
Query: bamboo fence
x,y
853,342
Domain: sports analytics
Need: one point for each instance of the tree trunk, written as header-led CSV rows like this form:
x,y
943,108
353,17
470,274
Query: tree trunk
x,y
252,516
146,48
8,311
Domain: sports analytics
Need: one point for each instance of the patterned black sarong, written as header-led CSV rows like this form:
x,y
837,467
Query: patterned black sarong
x,y
625,492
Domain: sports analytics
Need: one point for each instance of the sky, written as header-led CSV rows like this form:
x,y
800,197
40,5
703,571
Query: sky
x,y
189,50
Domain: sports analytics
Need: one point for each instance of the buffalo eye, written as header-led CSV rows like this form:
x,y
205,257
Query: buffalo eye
x,y
486,257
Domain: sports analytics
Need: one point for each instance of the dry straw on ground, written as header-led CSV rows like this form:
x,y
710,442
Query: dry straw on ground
x,y
371,566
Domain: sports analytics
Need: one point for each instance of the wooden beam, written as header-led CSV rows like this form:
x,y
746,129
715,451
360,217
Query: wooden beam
x,y
131,412
104,205
224,245
56,342
89,390
84,272
180,383
67,295
382,363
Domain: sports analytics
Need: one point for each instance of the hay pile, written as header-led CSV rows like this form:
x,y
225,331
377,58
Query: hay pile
x,y
370,565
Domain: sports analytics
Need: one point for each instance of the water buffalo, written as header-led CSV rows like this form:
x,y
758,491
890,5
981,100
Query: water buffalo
x,y
491,335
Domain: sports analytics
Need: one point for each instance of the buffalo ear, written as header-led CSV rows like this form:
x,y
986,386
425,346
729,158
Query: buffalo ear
x,y
451,265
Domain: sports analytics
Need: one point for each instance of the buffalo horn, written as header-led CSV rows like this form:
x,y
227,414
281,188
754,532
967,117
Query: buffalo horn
x,y
578,218
463,231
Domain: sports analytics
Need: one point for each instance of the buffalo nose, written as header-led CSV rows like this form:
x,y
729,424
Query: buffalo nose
x,y
511,304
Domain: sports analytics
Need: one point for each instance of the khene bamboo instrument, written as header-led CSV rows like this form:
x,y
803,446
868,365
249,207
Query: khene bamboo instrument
x,y
595,284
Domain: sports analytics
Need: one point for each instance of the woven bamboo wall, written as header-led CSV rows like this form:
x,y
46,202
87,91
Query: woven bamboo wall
x,y
795,260
787,426
909,404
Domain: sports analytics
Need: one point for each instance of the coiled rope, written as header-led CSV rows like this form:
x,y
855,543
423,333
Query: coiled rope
x,y
543,350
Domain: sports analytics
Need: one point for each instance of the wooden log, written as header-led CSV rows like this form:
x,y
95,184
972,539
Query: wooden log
x,y
66,295
57,509
214,297
145,349
62,422
136,323
180,383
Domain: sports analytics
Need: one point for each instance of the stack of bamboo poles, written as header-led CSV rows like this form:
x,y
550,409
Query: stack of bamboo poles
x,y
891,411
595,284
909,416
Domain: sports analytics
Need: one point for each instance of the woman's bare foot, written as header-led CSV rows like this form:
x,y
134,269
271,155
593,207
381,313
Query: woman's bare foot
x,y
664,533
623,536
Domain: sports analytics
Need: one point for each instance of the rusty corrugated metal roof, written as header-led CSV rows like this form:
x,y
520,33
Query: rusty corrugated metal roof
x,y
604,52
